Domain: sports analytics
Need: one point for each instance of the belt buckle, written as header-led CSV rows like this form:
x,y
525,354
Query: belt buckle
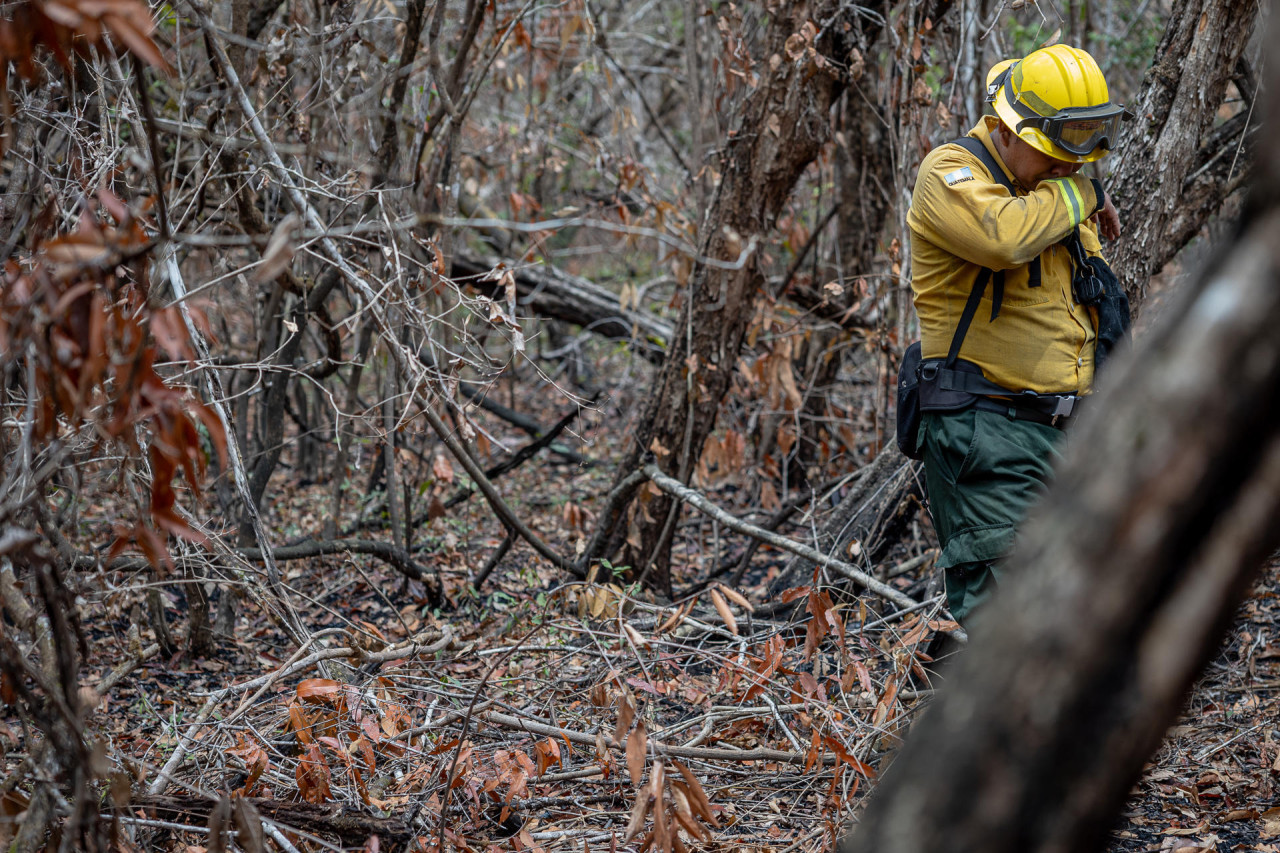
x,y
1063,407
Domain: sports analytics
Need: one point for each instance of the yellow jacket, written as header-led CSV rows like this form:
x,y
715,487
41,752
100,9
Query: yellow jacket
x,y
962,221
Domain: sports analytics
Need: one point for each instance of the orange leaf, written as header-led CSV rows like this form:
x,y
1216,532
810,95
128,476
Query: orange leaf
x,y
736,597
847,757
317,690
675,620
312,776
300,723
794,593
255,759
548,752
722,608
637,741
362,747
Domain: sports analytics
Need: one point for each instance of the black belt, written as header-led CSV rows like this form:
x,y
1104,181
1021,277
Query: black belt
x,y
1051,410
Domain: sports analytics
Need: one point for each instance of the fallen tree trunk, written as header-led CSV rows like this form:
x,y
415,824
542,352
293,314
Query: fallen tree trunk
x,y
873,514
480,396
334,821
394,556
678,490
549,292
1124,580
553,293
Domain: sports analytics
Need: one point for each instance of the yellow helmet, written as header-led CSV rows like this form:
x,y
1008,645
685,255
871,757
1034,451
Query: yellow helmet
x,y
1056,101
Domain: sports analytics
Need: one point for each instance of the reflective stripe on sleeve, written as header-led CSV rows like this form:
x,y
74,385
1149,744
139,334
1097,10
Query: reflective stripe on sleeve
x,y
1071,195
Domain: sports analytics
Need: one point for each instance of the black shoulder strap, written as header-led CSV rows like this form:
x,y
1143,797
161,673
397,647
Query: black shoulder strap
x,y
970,308
975,147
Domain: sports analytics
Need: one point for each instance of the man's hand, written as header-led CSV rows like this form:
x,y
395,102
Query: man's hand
x,y
1107,220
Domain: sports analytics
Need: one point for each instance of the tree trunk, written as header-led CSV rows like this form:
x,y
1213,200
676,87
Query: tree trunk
x,y
784,124
273,401
866,169
1172,173
1125,579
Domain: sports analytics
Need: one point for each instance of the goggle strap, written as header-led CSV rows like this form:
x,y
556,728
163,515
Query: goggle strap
x,y
993,90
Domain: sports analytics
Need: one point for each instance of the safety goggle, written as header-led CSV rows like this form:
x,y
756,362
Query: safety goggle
x,y
1080,130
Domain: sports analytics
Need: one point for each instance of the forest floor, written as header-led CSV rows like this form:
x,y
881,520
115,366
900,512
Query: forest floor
x,y
536,713
1212,786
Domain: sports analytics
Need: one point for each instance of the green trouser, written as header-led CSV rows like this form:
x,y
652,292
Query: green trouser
x,y
983,471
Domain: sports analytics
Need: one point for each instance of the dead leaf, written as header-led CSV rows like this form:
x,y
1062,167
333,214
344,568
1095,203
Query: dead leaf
x,y
722,608
769,497
638,812
1270,823
637,742
312,776
255,760
661,829
626,713
315,690
278,256
677,618
248,823
697,796
636,638
684,813
921,93
219,819
548,752
736,597
1187,845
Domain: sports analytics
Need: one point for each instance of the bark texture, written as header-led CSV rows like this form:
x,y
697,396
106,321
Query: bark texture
x,y
1126,577
1174,169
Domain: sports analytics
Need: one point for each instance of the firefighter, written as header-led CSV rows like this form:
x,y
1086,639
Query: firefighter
x,y
1012,294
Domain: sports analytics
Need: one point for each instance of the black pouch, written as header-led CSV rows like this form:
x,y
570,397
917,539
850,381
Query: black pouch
x,y
928,385
1093,283
1113,312
909,402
